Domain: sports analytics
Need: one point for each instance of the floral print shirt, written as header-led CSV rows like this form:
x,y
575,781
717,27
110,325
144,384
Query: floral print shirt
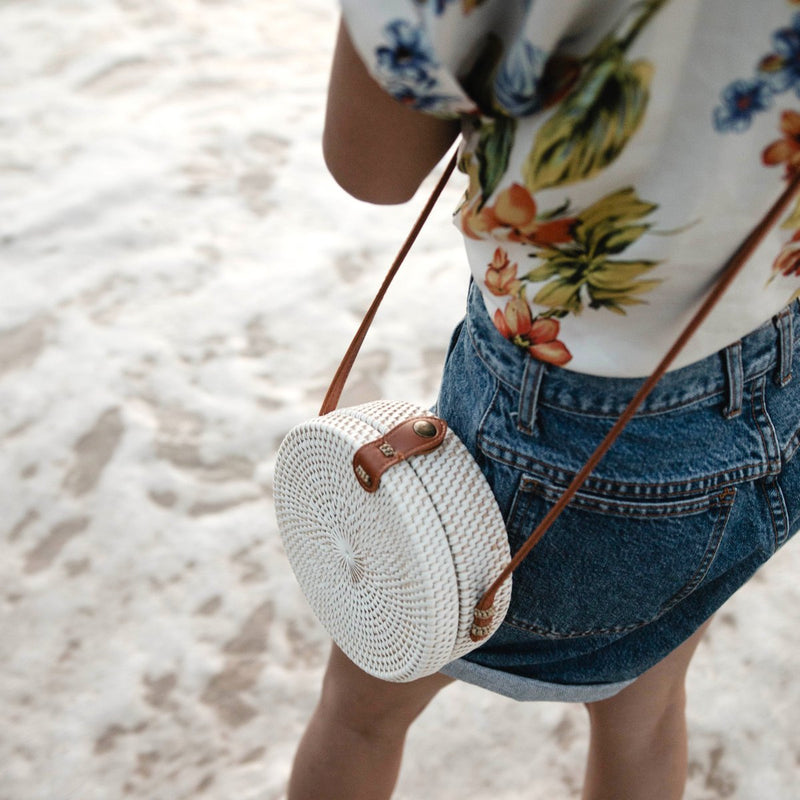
x,y
615,152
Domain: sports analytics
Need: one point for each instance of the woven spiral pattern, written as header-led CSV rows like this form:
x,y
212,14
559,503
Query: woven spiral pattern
x,y
393,576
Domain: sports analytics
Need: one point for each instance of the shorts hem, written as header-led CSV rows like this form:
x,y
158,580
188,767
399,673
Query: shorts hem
x,y
521,688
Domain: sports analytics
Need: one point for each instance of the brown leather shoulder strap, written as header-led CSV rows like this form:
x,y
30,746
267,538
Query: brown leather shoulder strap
x,y
337,384
483,611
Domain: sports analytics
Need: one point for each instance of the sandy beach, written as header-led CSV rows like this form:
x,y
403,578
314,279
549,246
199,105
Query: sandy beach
x,y
179,278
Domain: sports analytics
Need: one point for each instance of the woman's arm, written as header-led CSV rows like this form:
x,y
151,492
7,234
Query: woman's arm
x,y
377,149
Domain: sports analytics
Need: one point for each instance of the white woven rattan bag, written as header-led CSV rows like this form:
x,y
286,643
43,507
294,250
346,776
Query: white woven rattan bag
x,y
393,565
394,574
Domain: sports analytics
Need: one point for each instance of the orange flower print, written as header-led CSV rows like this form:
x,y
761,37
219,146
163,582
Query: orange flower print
x,y
538,337
513,215
786,150
477,223
788,261
501,277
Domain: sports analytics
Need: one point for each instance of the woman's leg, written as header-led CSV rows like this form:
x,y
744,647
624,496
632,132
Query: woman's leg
x,y
637,748
353,744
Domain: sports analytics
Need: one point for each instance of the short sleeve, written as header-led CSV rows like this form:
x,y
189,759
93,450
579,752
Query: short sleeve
x,y
397,43
453,58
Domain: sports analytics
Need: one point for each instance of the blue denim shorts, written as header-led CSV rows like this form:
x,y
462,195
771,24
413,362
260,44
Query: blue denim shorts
x,y
701,488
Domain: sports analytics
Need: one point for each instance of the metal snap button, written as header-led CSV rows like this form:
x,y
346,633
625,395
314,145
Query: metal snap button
x,y
424,428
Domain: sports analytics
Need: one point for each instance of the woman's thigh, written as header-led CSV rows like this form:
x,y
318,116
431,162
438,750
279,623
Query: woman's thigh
x,y
363,702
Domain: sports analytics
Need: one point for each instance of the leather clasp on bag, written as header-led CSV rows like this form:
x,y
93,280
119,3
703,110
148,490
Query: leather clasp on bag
x,y
411,437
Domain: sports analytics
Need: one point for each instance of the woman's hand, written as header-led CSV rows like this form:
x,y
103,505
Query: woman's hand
x,y
378,150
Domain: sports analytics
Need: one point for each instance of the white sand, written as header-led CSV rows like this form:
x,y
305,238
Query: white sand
x,y
179,276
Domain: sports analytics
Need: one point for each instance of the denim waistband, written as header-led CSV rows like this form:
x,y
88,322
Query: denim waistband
x,y
767,349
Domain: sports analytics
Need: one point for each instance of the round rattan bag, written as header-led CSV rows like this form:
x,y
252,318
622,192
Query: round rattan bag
x,y
392,574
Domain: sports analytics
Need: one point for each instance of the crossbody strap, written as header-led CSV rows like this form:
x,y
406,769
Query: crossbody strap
x,y
337,384
483,615
484,611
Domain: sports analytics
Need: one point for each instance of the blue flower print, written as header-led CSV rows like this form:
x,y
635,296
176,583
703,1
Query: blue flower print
x,y
517,82
740,101
781,69
409,70
407,56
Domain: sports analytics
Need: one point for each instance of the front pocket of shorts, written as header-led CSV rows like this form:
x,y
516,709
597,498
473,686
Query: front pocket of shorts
x,y
609,565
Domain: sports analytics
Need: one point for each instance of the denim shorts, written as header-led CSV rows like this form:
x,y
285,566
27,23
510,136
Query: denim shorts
x,y
700,490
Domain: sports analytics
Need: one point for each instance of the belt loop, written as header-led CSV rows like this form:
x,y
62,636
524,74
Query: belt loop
x,y
735,375
785,347
529,395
